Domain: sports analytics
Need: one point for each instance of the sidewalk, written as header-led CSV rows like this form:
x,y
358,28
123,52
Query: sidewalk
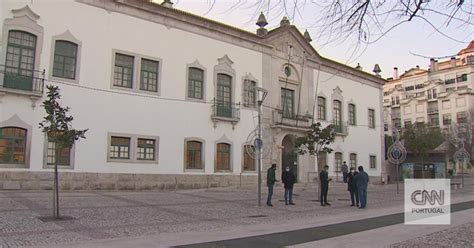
x,y
149,219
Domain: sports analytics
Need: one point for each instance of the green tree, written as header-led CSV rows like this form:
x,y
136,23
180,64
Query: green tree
x,y
316,140
58,128
420,139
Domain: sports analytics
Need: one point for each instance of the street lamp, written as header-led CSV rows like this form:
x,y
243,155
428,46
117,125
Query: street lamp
x,y
261,94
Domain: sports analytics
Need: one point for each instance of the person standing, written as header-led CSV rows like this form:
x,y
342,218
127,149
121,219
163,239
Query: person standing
x,y
270,183
352,188
362,181
288,179
324,178
345,171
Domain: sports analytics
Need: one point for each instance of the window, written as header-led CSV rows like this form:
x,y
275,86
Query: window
x,y
195,83
223,157
447,119
194,158
123,72
338,160
336,112
461,78
352,114
450,81
446,104
65,57
12,145
249,161
224,95
287,101
64,156
353,160
20,60
321,108
461,117
373,162
250,94
149,75
432,94
119,148
146,149
371,118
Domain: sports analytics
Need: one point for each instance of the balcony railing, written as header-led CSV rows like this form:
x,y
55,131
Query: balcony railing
x,y
433,110
21,81
340,128
225,111
291,120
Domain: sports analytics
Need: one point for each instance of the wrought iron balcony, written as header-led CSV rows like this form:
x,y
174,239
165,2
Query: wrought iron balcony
x,y
432,110
340,128
225,111
291,120
21,81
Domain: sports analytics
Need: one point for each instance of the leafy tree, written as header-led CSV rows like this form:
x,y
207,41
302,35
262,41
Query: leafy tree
x,y
420,139
316,140
57,126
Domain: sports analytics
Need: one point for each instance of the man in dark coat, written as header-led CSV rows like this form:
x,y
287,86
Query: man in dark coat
x,y
324,178
352,188
270,183
362,181
288,179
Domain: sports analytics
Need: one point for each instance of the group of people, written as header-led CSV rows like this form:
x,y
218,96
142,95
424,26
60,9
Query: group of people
x,y
357,182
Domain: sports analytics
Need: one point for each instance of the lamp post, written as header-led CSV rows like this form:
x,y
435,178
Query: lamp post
x,y
261,94
396,154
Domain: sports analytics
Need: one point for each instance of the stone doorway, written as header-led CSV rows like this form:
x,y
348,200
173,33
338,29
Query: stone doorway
x,y
289,156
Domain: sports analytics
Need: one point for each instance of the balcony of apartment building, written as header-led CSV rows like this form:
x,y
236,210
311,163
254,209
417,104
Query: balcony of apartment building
x,y
340,128
289,120
225,111
21,81
432,110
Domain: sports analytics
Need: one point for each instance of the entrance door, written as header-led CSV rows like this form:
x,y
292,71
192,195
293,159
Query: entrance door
x,y
289,156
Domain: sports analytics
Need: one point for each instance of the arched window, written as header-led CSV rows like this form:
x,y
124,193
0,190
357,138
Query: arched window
x,y
338,160
20,60
194,155
223,157
12,145
65,59
250,94
195,83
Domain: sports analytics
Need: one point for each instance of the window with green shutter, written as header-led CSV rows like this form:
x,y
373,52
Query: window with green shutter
x,y
352,114
119,148
12,145
123,71
287,100
250,93
224,95
20,60
65,57
146,149
195,83
64,156
149,75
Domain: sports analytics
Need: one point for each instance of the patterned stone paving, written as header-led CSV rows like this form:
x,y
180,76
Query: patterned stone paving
x,y
113,214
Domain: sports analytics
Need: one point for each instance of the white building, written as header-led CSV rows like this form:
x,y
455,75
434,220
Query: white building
x,y
166,97
440,96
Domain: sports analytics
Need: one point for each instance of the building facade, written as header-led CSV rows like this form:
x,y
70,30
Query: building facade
x,y
168,97
440,96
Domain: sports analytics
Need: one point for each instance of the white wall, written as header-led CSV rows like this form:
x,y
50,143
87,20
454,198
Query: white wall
x,y
103,112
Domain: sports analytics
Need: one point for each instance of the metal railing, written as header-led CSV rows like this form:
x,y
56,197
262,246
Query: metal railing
x,y
340,128
433,110
291,120
21,80
225,110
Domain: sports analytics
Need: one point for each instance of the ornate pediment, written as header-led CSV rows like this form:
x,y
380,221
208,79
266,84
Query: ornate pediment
x,y
289,39
25,11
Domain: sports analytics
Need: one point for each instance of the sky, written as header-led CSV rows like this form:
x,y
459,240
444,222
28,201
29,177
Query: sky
x,y
392,50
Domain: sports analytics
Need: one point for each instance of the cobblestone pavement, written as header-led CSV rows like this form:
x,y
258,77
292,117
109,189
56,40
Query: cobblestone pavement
x,y
102,215
457,237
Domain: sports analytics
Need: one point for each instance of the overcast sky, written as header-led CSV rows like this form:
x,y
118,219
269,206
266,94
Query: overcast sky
x,y
393,50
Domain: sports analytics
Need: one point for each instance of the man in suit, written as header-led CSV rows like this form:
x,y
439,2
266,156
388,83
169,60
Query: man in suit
x,y
270,183
345,171
288,179
362,181
324,178
352,188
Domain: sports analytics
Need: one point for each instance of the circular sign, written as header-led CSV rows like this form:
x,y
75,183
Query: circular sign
x,y
461,155
396,153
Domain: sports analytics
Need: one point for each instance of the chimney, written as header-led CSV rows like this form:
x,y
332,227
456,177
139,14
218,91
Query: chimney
x,y
167,3
395,73
432,65
436,64
453,62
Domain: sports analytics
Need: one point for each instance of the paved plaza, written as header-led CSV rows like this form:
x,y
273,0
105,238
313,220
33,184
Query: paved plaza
x,y
172,218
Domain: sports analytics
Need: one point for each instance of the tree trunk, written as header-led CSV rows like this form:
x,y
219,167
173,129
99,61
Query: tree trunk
x,y
56,182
